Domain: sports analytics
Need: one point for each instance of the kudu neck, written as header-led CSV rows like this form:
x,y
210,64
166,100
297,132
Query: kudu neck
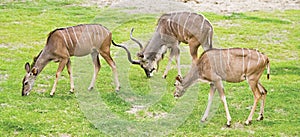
x,y
191,77
40,62
154,44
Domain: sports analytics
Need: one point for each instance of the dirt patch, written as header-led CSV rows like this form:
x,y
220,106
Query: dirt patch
x,y
135,110
216,6
230,6
4,45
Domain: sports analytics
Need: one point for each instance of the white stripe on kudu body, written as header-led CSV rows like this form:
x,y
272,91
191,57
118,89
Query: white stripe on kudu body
x,y
99,34
69,37
249,57
107,33
183,29
178,25
228,59
206,69
64,38
243,59
76,37
203,20
192,24
57,49
174,17
87,28
215,62
221,64
258,56
263,58
208,37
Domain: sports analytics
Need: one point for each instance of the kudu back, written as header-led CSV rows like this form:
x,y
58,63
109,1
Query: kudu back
x,y
62,43
172,29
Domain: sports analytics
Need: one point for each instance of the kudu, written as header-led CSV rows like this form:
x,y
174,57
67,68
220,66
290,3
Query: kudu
x,y
63,43
231,65
173,28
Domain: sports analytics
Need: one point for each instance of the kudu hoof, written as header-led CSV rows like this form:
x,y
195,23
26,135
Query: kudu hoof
x,y
52,94
228,124
203,120
247,123
164,76
71,91
117,90
260,119
90,88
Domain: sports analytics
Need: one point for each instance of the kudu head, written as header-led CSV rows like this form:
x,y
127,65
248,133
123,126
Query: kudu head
x,y
179,91
148,56
29,79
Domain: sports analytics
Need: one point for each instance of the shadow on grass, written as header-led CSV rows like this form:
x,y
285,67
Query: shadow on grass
x,y
256,19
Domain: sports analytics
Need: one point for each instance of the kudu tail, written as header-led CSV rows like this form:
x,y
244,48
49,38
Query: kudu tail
x,y
268,70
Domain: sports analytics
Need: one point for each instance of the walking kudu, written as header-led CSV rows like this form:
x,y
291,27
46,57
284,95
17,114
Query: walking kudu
x,y
173,28
63,43
231,65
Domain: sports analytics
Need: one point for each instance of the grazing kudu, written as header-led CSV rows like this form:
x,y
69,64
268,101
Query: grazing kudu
x,y
231,65
63,43
173,28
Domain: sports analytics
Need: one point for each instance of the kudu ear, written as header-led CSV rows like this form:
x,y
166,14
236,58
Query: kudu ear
x,y
27,67
35,71
140,55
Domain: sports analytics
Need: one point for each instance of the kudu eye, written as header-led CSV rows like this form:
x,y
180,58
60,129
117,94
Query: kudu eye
x,y
25,83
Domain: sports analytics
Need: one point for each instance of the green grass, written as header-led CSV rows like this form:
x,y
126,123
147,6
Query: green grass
x,y
24,28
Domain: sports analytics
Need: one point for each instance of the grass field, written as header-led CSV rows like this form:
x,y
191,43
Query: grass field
x,y
144,107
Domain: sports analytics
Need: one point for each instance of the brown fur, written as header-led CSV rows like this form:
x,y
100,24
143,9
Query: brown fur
x,y
231,65
77,40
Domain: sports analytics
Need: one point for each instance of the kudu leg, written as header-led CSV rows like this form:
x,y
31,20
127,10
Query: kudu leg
x,y
168,67
220,89
257,95
71,76
61,67
97,66
173,52
113,66
263,100
194,45
177,56
210,99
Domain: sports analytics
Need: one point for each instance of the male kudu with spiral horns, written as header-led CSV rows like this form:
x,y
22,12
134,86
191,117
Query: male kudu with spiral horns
x,y
173,28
